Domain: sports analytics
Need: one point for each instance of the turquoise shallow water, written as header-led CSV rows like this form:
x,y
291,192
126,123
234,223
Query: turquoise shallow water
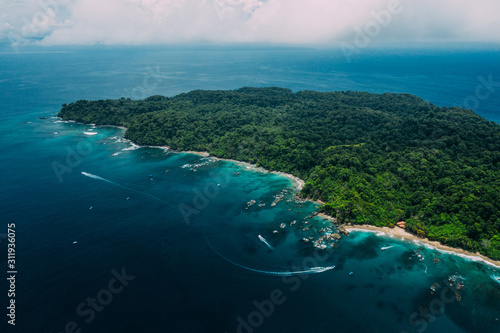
x,y
191,246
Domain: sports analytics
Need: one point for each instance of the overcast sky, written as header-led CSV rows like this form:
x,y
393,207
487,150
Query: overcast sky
x,y
323,22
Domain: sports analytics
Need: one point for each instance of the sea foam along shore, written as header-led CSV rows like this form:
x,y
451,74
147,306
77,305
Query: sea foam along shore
x,y
380,231
299,183
397,232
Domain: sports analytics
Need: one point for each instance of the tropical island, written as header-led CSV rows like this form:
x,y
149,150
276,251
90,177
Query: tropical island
x,y
372,159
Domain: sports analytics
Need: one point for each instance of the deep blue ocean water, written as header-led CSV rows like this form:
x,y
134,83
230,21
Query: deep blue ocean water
x,y
177,229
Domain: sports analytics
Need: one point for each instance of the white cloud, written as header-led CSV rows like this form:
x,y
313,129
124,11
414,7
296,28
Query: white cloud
x,y
276,21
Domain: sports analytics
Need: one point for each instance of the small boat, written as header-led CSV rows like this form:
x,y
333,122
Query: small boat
x,y
263,240
351,273
75,242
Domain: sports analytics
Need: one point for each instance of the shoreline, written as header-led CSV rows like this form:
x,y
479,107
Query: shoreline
x,y
380,231
299,183
395,232
403,235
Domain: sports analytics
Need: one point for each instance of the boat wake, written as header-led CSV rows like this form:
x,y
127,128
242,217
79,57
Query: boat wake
x,y
299,271
312,270
97,177
125,187
495,278
386,248
263,240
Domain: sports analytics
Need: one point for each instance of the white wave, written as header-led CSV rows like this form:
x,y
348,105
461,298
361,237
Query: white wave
x,y
164,148
207,161
386,248
133,146
263,240
114,154
495,278
429,246
462,255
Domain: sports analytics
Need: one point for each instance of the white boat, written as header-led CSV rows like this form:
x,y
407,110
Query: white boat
x,y
263,240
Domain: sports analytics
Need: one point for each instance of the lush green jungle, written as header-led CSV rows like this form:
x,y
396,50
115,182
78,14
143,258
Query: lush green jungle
x,y
371,158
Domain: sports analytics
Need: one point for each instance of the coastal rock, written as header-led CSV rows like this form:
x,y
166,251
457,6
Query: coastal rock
x,y
343,231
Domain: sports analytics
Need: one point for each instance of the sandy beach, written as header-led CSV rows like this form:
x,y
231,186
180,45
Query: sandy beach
x,y
404,235
299,183
380,231
395,232
199,153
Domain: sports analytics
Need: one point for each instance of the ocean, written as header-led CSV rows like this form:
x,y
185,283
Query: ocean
x,y
112,237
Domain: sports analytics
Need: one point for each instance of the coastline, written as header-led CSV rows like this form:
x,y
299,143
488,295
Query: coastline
x,y
299,183
395,232
402,234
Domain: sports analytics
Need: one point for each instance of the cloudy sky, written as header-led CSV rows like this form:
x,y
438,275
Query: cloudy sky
x,y
323,22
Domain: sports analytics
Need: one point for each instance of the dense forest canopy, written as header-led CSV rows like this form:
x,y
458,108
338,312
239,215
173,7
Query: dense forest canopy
x,y
371,158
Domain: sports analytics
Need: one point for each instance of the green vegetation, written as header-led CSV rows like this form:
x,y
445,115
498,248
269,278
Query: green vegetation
x,y
374,159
